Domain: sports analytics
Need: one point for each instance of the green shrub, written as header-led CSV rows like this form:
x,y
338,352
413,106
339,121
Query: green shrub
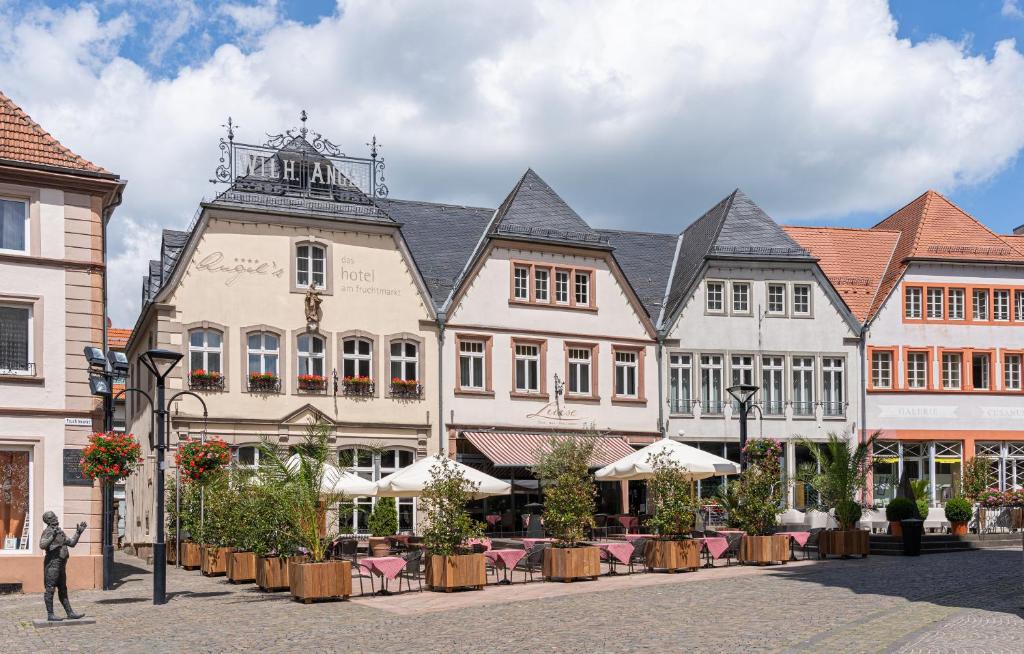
x,y
569,489
848,513
383,520
900,508
443,504
959,510
671,495
760,497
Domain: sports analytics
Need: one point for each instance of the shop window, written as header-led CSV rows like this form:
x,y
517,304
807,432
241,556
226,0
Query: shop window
x,y
374,464
15,499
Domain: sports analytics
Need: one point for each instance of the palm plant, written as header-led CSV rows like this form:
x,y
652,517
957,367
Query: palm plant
x,y
729,499
920,487
838,473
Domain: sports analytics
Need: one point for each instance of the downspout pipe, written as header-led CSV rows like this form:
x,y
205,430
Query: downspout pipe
x,y
441,428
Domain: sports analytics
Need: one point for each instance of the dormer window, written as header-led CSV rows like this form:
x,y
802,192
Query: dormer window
x,y
549,285
310,264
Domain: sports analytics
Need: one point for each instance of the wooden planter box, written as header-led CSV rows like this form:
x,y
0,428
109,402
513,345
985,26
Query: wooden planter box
x,y
764,550
241,567
272,573
215,560
569,563
458,571
191,555
958,528
672,555
843,543
316,581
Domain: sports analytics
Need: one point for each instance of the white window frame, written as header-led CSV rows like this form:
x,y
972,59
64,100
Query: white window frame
x,y
913,302
802,373
680,370
627,373
1001,305
1012,371
740,301
309,258
580,363
714,296
30,517
470,354
356,357
956,301
741,371
562,278
882,369
29,343
771,302
917,370
263,352
27,226
712,383
935,303
1018,303
255,456
986,370
951,381
307,358
375,472
542,284
581,288
521,283
810,302
833,386
205,350
404,359
773,385
527,355
985,296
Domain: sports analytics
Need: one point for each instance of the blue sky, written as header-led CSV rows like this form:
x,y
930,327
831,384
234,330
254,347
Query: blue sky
x,y
831,112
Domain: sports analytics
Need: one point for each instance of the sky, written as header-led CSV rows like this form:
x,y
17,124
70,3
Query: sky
x,y
642,115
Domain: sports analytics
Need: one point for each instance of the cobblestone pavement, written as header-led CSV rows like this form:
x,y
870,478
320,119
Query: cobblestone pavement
x,y
958,602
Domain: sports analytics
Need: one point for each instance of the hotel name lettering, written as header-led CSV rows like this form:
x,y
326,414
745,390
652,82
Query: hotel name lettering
x,y
351,279
266,166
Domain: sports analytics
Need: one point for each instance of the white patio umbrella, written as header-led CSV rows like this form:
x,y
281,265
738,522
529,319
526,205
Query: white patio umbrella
x,y
336,480
411,480
696,463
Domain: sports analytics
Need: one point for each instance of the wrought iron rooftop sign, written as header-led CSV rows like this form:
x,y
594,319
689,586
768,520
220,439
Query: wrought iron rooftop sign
x,y
300,170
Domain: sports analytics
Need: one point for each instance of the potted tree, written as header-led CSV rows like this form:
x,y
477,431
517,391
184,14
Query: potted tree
x,y
675,507
275,542
760,503
308,497
449,563
838,474
217,525
243,513
959,512
188,518
383,522
569,491
898,510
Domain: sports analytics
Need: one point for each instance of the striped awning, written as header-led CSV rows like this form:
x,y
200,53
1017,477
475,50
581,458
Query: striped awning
x,y
514,450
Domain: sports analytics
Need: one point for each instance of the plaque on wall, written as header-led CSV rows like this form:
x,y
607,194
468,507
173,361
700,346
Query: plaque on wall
x,y
73,475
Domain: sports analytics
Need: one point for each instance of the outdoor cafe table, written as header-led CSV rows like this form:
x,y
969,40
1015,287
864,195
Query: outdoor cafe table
x,y
612,552
486,542
385,567
528,543
506,560
492,518
714,547
797,537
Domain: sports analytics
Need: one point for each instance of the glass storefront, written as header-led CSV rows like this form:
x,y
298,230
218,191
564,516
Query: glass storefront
x,y
1006,459
935,462
15,498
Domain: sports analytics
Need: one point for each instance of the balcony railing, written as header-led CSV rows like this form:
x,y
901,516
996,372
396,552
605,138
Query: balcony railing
x,y
712,408
773,408
682,405
16,366
834,409
406,391
350,388
264,385
206,382
803,409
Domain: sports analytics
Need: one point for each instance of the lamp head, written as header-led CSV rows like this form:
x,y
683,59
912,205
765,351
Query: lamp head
x,y
742,393
98,385
94,356
118,362
160,362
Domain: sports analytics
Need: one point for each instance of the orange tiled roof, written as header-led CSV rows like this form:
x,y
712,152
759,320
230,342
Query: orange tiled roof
x,y
22,139
854,260
117,339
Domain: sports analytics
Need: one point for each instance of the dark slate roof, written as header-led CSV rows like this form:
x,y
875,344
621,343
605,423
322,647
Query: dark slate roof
x,y
534,212
735,228
646,259
171,243
441,238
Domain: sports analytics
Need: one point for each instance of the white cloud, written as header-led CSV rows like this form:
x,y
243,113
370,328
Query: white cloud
x,y
174,19
1011,9
252,19
639,118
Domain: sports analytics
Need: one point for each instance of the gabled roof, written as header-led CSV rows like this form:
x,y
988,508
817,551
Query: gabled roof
x,y
853,260
171,243
440,237
534,212
735,228
645,259
23,140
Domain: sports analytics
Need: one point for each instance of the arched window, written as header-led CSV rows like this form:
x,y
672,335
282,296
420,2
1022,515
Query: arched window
x,y
356,357
204,350
264,350
310,263
311,355
373,464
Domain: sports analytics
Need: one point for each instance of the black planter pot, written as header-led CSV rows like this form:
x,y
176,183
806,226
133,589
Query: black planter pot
x,y
913,530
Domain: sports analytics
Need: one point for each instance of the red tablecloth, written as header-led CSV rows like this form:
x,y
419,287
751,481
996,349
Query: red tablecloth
x,y
621,551
492,519
383,566
799,536
633,537
528,543
715,546
505,558
628,521
486,542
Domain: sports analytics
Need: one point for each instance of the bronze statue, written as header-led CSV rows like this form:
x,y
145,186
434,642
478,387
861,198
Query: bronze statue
x,y
313,301
55,543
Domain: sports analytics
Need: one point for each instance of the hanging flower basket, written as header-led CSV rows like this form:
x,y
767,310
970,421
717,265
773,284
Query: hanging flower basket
x,y
111,456
759,449
199,461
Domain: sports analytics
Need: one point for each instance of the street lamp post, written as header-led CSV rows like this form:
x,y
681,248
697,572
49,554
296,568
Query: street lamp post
x,y
743,393
160,363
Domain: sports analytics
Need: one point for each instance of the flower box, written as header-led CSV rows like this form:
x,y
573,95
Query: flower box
x,y
191,555
264,383
206,380
312,383
406,388
272,572
846,543
316,581
569,563
241,567
457,571
215,560
357,386
764,550
672,555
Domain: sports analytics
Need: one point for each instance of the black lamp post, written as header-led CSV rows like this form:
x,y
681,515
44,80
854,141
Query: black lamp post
x,y
743,393
160,363
102,372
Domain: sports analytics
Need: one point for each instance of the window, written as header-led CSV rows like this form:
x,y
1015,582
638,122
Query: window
x,y
1011,372
742,368
1018,303
205,347
583,288
541,280
711,383
740,297
311,355
13,225
801,300
16,340
15,499
405,360
247,456
356,357
309,265
626,374
562,286
917,370
956,303
935,297
981,374
777,299
715,295
527,368
912,302
263,352
979,304
832,370
951,367
1001,304
579,370
521,283
471,365
772,371
680,391
881,369
803,386
373,466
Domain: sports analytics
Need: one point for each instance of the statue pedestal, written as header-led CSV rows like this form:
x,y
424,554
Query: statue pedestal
x,y
39,624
